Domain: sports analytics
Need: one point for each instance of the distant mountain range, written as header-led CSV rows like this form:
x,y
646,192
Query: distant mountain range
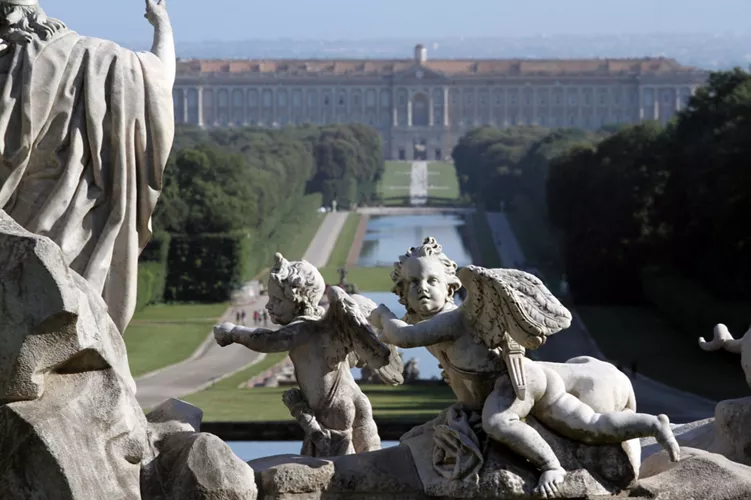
x,y
718,51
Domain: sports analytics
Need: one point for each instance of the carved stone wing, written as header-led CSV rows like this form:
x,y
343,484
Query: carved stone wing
x,y
501,301
351,331
513,310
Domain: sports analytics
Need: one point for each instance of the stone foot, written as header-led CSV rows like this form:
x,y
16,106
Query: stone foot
x,y
547,486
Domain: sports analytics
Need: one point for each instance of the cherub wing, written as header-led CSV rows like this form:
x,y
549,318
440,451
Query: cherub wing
x,y
352,333
513,310
501,301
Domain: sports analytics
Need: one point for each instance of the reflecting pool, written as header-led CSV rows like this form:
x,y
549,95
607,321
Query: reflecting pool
x,y
389,236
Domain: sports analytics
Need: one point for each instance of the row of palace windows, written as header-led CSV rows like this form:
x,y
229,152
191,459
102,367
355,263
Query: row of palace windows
x,y
572,97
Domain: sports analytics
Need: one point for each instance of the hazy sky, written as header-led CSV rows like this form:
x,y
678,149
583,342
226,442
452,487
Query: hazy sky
x,y
197,20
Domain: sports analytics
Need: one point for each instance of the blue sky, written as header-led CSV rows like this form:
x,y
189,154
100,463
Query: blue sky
x,y
197,20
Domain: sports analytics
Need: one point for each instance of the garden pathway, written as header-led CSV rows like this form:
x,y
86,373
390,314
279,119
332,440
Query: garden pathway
x,y
211,363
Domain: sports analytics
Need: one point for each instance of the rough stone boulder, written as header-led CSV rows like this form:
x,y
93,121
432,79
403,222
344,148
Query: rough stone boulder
x,y
388,473
726,434
406,472
70,426
191,465
699,475
592,470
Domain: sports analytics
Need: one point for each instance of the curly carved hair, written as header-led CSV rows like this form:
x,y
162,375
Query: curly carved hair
x,y
301,283
21,23
429,248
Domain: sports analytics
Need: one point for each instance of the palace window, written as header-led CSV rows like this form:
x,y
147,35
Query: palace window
x,y
499,98
469,98
370,97
385,98
603,98
356,99
326,100
282,98
296,98
572,99
648,97
312,98
587,98
514,98
252,97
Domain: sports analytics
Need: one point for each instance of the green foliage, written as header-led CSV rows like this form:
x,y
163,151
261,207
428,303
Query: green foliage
x,y
232,197
152,270
206,267
488,159
674,197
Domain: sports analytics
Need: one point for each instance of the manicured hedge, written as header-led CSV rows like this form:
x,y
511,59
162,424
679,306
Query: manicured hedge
x,y
206,267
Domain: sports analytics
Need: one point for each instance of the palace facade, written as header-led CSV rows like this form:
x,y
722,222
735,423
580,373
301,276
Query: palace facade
x,y
421,107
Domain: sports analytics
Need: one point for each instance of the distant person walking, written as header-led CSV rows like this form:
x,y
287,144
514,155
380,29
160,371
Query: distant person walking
x,y
237,317
243,318
265,318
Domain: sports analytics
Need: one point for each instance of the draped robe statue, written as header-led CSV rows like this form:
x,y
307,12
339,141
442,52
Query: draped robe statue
x,y
86,127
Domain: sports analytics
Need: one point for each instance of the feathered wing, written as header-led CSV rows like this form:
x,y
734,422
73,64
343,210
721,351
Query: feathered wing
x,y
501,301
513,310
355,339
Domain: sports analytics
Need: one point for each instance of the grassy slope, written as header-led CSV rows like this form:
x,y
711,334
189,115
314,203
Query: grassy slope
x,y
395,181
164,334
633,333
442,180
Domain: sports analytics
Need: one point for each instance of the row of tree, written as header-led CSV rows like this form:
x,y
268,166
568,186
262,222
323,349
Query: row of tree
x,y
232,197
642,213
496,165
676,197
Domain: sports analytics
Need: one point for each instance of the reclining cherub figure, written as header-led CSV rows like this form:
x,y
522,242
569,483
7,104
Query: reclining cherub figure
x,y
330,407
481,346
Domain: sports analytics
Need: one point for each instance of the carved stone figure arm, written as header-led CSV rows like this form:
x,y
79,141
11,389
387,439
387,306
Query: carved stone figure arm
x,y
441,328
262,339
163,46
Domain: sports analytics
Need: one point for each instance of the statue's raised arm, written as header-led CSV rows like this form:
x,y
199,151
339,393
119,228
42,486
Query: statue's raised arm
x,y
86,127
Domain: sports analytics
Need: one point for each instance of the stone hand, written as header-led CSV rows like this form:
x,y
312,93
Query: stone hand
x,y
375,318
156,12
223,334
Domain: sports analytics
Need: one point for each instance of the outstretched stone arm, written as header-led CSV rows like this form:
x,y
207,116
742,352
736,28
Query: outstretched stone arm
x,y
261,339
441,328
163,46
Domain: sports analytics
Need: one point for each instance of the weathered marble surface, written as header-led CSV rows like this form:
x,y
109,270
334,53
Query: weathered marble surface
x,y
70,425
390,474
87,127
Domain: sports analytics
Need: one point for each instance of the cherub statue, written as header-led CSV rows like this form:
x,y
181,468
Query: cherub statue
x,y
481,347
330,407
722,339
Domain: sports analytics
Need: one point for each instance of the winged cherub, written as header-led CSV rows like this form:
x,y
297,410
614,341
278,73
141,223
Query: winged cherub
x,y
481,347
330,407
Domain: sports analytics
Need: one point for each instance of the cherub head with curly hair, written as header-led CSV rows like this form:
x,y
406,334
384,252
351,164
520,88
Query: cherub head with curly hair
x,y
295,289
425,280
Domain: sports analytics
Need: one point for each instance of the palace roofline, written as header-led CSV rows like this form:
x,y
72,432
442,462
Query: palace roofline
x,y
439,67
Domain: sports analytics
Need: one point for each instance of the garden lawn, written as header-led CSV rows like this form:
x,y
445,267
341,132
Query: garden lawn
x,y
164,334
394,185
442,180
340,252
225,402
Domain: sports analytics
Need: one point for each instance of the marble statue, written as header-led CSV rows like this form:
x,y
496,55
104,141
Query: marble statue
x,y
87,127
330,407
724,340
481,346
